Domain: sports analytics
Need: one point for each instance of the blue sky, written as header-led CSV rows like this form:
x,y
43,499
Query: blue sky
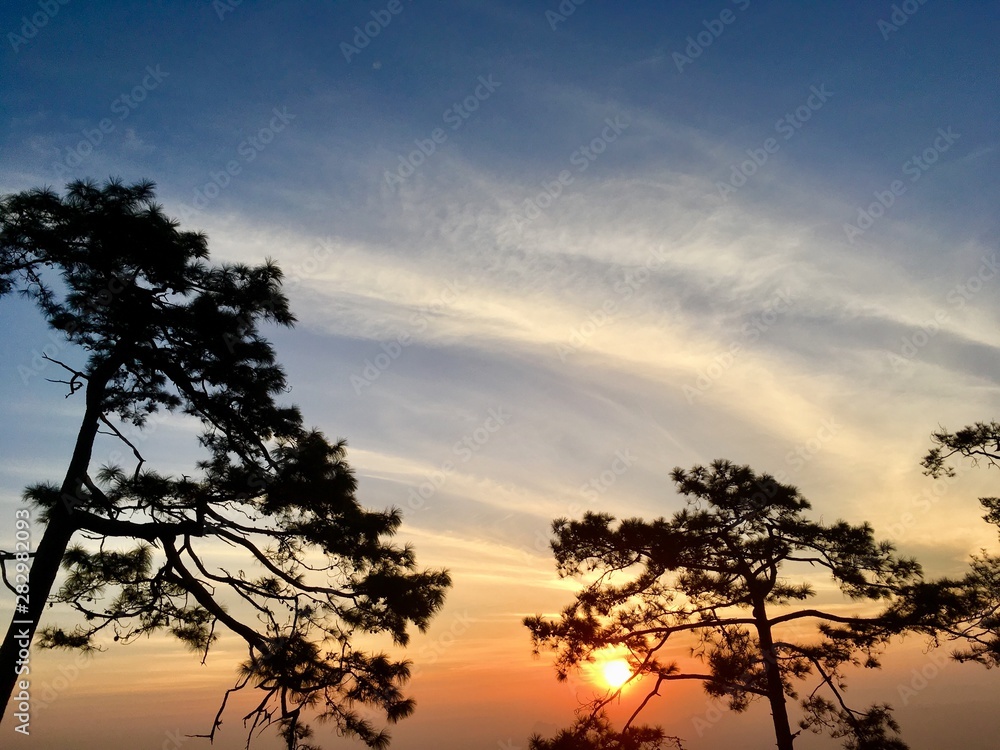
x,y
780,249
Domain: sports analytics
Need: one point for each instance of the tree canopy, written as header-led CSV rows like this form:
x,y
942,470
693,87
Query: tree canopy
x,y
161,328
719,571
595,732
970,613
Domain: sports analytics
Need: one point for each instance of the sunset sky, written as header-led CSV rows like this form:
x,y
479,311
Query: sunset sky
x,y
539,257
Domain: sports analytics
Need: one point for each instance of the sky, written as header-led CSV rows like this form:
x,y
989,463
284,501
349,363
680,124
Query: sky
x,y
540,254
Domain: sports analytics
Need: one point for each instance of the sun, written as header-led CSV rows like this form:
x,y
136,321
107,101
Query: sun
x,y
616,673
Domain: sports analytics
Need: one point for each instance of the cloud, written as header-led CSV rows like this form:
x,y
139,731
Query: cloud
x,y
132,142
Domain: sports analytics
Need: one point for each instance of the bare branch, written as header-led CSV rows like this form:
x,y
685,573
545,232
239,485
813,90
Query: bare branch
x,y
135,451
74,382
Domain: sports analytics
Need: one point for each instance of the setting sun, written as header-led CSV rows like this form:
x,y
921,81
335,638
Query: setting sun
x,y
616,673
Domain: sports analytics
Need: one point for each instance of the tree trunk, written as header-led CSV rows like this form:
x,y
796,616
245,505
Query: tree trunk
x,y
775,690
48,556
50,550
